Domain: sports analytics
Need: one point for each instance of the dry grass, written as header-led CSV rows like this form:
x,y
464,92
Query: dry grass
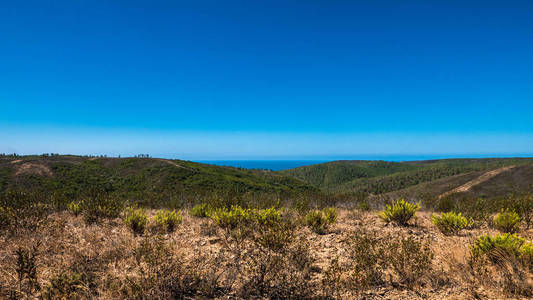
x,y
106,260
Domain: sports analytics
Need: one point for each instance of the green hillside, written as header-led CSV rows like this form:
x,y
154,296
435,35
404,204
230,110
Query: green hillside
x,y
155,181
328,176
137,178
377,177
516,180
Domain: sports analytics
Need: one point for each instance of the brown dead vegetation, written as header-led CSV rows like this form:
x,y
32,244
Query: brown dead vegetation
x,y
360,257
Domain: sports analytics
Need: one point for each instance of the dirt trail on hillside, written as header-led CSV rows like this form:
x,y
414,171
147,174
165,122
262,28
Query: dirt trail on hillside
x,y
175,164
486,176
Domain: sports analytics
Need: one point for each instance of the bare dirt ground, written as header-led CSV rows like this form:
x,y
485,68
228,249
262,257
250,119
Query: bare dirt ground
x,y
33,168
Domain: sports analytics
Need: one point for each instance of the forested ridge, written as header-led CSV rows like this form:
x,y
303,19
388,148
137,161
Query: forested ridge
x,y
378,177
140,179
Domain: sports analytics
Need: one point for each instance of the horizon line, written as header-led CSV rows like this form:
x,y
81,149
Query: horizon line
x,y
355,157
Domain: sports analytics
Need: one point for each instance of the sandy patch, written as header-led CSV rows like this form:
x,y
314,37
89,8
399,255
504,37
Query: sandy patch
x,y
31,168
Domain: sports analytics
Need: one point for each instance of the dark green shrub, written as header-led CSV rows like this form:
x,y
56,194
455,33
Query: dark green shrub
x,y
200,210
302,206
478,209
399,212
507,221
23,210
168,219
59,200
446,204
524,207
66,286
451,223
101,206
136,219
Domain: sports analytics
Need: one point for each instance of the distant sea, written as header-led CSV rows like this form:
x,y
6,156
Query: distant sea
x,y
277,165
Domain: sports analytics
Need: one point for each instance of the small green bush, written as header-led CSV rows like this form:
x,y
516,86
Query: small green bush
x,y
264,226
319,221
399,212
236,216
168,219
231,218
136,219
526,251
512,259
330,213
75,207
507,221
506,243
267,217
200,210
315,220
450,223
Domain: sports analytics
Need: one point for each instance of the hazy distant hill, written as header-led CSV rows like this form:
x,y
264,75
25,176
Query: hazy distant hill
x,y
432,176
136,177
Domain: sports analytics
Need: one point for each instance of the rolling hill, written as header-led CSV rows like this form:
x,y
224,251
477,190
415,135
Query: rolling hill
x,y
433,177
154,180
137,178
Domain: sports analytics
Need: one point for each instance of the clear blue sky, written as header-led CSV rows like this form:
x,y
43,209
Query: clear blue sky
x,y
267,79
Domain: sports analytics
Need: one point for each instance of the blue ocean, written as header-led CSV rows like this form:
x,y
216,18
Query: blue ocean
x,y
277,165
